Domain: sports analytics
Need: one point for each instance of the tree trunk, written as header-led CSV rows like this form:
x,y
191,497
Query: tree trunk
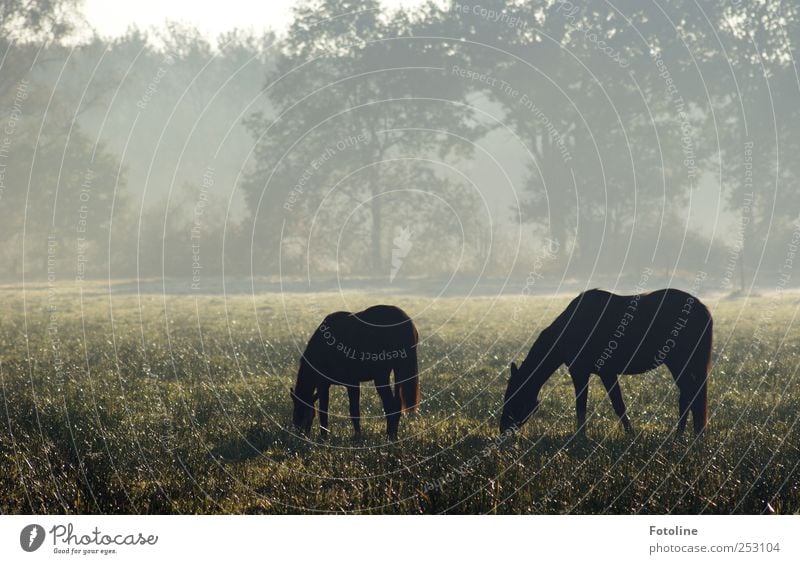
x,y
741,262
747,238
555,177
377,225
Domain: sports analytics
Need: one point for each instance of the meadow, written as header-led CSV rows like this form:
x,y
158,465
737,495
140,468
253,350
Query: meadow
x,y
125,403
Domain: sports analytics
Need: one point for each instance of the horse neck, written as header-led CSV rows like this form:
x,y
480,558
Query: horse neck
x,y
307,379
543,358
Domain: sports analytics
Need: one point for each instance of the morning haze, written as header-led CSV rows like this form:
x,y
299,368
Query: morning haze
x,y
484,142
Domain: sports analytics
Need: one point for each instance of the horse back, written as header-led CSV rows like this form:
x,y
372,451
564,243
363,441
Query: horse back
x,y
628,334
352,347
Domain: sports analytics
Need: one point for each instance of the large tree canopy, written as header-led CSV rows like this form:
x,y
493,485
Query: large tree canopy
x,y
365,121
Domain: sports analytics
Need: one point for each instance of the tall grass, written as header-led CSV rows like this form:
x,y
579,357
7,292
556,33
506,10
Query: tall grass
x,y
179,404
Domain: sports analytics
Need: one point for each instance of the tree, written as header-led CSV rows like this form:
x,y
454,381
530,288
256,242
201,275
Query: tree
x,y
56,182
612,150
758,111
26,23
353,89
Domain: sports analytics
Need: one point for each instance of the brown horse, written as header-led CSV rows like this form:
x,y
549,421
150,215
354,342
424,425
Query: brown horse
x,y
350,348
608,334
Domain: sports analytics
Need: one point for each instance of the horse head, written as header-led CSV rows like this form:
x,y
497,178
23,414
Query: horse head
x,y
303,410
521,400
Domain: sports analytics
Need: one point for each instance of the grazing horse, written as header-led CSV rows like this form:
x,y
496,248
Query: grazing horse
x,y
350,348
608,334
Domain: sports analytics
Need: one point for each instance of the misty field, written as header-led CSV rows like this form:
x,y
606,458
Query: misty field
x,y
180,404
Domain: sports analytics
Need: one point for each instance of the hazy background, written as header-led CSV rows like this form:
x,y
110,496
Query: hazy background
x,y
432,147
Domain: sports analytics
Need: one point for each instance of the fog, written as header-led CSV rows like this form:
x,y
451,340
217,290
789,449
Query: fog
x,y
469,148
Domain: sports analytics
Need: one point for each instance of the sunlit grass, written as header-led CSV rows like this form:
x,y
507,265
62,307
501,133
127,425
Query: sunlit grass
x,y
180,404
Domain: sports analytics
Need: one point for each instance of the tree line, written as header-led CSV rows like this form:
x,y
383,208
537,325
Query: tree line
x,y
366,143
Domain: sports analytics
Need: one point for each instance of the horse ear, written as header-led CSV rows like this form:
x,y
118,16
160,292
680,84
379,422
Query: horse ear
x,y
314,398
291,393
513,369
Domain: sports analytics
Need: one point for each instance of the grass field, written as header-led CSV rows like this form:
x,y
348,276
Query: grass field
x,y
180,404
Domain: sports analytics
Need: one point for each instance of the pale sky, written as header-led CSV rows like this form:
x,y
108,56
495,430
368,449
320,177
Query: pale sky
x,y
113,17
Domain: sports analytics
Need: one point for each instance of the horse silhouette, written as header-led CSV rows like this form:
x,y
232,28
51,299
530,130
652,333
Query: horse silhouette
x,y
350,348
608,334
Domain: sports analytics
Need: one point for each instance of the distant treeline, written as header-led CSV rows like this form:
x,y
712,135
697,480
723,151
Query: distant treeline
x,y
364,143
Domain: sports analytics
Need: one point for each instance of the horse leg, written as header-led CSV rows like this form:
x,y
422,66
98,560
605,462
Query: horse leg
x,y
354,395
391,405
683,379
581,383
611,383
684,399
699,405
324,397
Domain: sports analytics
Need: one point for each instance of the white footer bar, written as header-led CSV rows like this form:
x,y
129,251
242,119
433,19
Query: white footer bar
x,y
396,539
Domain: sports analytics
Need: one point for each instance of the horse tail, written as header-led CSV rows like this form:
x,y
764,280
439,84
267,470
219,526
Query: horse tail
x,y
700,402
407,388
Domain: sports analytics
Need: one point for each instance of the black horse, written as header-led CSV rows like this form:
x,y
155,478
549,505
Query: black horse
x,y
608,334
350,348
